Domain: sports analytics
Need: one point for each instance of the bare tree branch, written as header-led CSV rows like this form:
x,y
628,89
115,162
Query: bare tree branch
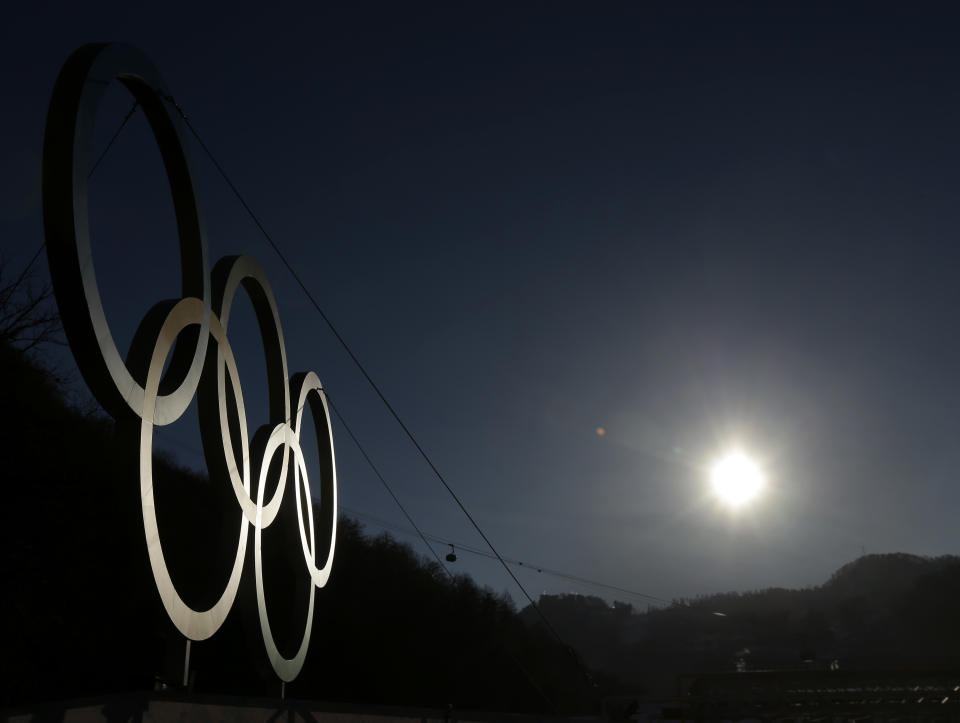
x,y
28,314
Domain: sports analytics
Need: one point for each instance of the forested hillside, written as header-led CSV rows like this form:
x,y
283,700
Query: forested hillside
x,y
893,611
81,614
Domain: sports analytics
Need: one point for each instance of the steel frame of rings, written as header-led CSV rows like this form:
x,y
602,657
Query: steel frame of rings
x,y
137,390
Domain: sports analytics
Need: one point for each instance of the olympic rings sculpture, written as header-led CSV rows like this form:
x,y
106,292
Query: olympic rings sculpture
x,y
137,390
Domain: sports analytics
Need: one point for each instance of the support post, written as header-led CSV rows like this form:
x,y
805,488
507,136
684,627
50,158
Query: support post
x,y
186,665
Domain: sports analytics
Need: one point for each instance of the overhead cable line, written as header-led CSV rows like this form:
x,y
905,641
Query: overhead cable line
x,y
383,481
113,138
370,380
511,561
93,168
363,370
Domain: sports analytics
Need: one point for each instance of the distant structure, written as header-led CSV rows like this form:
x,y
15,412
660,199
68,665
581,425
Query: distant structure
x,y
137,392
822,695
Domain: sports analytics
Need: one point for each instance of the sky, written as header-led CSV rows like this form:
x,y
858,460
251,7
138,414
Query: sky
x,y
695,226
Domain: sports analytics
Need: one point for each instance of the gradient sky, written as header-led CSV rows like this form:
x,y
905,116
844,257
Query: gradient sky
x,y
690,224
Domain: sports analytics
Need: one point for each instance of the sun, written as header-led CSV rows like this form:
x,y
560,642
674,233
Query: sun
x,y
736,479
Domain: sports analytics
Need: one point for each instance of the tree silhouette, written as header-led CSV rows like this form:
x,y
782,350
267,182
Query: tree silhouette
x,y
28,316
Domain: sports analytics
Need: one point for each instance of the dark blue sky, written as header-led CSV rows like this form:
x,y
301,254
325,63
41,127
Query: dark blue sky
x,y
691,224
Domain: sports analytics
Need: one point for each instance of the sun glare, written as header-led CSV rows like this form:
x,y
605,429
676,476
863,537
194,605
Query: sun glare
x,y
736,479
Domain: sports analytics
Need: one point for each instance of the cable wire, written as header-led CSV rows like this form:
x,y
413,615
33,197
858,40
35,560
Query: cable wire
x,y
383,481
103,154
512,561
113,139
362,369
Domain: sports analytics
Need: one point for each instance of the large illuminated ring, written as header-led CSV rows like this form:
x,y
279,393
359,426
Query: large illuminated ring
x,y
137,391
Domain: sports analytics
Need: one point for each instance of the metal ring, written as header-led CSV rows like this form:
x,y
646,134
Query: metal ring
x,y
229,273
66,153
196,625
286,668
307,390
